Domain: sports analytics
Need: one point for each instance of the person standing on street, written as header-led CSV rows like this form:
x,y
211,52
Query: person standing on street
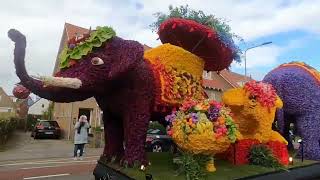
x,y
80,136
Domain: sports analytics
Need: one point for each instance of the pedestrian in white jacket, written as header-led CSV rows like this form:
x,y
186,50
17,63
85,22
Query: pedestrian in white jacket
x,y
80,136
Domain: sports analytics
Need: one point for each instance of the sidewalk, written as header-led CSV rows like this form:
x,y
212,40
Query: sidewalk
x,y
22,147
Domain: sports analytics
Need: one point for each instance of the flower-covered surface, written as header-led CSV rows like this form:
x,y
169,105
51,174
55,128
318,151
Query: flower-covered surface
x,y
238,152
77,48
178,74
262,92
298,86
279,151
254,107
20,92
217,50
202,127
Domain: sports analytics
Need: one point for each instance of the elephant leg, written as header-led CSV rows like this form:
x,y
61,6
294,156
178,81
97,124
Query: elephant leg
x,y
136,124
309,127
113,131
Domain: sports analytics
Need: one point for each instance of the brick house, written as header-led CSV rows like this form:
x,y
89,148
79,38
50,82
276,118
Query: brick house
x,y
215,83
7,105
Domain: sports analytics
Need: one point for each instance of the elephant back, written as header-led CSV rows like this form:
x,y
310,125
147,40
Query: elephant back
x,y
178,75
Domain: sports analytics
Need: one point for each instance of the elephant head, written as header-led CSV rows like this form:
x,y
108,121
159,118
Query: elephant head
x,y
91,75
254,106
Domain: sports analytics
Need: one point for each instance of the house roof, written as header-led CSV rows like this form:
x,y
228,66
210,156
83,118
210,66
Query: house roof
x,y
73,30
234,78
146,47
225,80
5,100
213,84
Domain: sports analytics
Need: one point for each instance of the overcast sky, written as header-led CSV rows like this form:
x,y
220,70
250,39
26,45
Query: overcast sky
x,y
292,25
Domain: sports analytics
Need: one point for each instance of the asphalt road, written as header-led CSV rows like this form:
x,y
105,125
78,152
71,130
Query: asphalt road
x,y
49,169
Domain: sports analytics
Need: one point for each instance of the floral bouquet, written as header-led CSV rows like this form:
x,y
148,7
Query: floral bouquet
x,y
202,127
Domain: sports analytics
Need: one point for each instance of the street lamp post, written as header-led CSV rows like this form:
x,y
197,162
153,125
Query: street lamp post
x,y
245,54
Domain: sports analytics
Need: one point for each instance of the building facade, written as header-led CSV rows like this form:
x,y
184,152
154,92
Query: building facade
x,y
67,113
7,104
39,107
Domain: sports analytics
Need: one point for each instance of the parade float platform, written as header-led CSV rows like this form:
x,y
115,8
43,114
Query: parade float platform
x,y
163,168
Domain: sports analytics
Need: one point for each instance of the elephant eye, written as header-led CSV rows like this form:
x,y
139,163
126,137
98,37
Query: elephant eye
x,y
96,61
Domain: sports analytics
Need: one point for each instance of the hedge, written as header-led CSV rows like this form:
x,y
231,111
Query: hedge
x,y
8,123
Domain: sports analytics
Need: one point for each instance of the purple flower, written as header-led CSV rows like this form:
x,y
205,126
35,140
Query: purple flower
x,y
213,113
71,46
194,117
170,117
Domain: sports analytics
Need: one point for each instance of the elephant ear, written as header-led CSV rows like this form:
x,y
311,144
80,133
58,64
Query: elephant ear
x,y
130,53
279,103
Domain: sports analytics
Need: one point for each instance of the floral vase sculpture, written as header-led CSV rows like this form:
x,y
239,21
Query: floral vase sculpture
x,y
202,127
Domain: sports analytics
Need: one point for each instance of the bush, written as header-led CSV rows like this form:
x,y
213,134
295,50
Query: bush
x,y
31,121
8,123
261,155
191,165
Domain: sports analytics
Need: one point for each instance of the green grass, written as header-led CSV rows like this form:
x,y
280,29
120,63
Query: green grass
x,y
162,168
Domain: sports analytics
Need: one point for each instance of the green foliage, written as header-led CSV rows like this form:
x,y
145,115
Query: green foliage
x,y
96,39
261,155
48,114
8,123
157,125
185,12
232,129
191,165
31,121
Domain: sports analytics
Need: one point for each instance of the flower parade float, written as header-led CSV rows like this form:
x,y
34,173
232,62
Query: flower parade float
x,y
298,85
202,127
130,85
254,107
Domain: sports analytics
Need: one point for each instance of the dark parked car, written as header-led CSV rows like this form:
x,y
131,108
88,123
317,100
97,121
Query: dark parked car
x,y
46,128
159,141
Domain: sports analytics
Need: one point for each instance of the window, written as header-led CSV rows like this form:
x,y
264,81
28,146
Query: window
x,y
207,74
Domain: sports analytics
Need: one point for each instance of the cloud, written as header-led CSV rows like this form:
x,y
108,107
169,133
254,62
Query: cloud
x,y
261,57
42,23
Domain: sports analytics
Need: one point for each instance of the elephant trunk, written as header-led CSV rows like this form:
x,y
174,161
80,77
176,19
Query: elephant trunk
x,y
38,87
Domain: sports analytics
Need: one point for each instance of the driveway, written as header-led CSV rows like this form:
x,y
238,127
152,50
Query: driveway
x,y
22,147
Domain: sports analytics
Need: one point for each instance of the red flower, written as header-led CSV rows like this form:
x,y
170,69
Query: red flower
x,y
241,151
280,151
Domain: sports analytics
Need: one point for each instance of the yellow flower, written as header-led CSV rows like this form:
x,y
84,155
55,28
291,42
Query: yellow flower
x,y
181,67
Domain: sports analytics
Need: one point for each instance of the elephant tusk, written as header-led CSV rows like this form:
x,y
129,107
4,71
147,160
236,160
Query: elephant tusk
x,y
73,83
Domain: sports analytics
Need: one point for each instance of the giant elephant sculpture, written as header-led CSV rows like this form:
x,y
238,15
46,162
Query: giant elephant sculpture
x,y
298,85
130,86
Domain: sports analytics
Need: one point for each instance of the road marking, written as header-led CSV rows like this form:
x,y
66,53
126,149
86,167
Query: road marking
x,y
48,161
38,177
55,162
40,167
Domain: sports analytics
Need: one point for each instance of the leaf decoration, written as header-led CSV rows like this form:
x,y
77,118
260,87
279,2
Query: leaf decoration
x,y
96,39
